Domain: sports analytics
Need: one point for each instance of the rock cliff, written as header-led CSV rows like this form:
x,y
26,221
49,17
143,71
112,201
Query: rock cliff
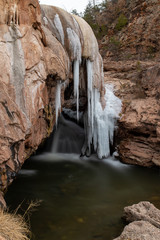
x,y
137,83
40,48
131,62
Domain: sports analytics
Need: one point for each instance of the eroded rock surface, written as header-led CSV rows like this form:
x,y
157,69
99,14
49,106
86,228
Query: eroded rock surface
x,y
145,218
140,230
137,83
143,211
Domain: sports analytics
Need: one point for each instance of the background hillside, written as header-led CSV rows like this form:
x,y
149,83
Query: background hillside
x,y
126,29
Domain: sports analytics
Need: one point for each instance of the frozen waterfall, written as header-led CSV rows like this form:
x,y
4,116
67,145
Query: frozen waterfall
x,y
58,100
99,122
59,27
75,47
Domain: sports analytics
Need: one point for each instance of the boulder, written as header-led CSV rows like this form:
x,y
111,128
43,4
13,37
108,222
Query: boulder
x,y
140,230
143,211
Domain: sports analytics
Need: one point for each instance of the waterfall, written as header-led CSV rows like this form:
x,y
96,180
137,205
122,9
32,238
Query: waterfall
x,y
79,42
99,123
58,100
68,137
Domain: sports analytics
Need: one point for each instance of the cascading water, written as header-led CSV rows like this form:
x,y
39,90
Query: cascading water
x,y
68,137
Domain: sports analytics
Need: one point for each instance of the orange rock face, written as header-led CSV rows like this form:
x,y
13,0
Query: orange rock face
x,y
138,85
27,112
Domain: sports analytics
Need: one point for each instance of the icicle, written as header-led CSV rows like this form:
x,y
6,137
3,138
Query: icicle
x,y
58,99
90,101
75,47
104,121
100,122
76,85
59,27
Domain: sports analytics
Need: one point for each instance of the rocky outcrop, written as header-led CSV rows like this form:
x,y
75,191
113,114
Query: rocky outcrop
x,y
132,30
39,49
143,211
145,218
137,83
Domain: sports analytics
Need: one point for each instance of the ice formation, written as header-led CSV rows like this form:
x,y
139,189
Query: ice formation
x,y
58,100
75,47
99,122
59,27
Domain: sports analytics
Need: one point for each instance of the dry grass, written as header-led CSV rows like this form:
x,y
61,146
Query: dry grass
x,y
13,227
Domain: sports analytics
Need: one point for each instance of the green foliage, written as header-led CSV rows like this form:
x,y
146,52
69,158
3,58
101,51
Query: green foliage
x,y
103,5
115,42
121,22
89,14
114,45
90,17
74,11
138,66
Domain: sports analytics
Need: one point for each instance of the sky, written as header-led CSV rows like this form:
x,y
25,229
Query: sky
x,y
68,5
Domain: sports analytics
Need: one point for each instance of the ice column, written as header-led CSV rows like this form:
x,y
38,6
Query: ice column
x,y
75,47
58,99
59,27
100,123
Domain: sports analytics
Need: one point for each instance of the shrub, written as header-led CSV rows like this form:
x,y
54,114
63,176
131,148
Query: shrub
x,y
121,22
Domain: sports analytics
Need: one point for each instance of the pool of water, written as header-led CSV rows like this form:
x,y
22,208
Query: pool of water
x,y
81,200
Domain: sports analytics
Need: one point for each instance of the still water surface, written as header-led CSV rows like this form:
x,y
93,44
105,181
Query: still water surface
x,y
82,200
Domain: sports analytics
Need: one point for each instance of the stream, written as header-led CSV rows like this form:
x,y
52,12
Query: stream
x,y
81,199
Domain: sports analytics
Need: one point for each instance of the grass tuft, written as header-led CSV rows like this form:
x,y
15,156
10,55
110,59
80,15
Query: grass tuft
x,y
13,227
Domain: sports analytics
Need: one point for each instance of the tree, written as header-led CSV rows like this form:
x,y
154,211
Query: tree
x,y
74,11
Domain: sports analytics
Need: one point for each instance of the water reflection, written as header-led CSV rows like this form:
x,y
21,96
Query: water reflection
x,y
82,199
